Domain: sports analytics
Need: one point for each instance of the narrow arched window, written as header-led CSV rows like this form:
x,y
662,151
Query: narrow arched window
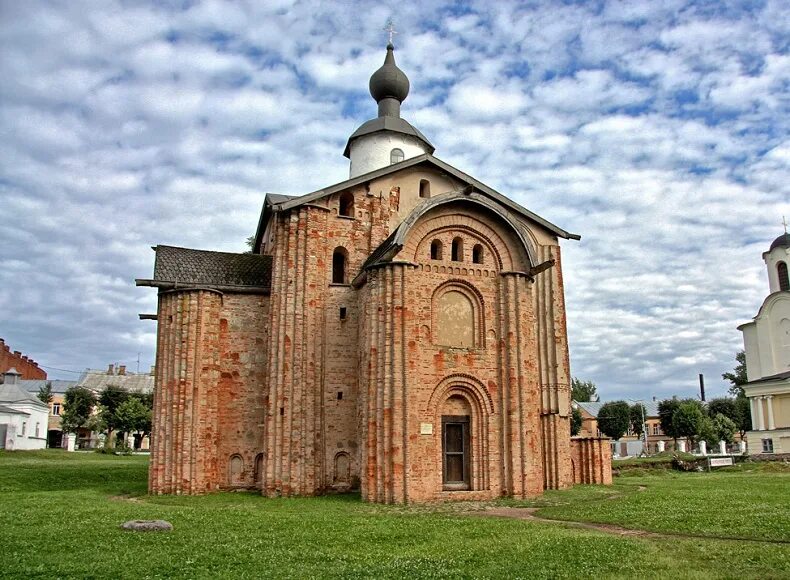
x,y
436,250
457,254
784,281
339,259
346,206
477,254
396,156
425,188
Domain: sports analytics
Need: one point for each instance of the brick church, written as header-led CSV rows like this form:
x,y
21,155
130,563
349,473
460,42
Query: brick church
x,y
401,332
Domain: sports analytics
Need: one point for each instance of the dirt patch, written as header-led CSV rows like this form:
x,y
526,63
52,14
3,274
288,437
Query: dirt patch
x,y
529,514
131,498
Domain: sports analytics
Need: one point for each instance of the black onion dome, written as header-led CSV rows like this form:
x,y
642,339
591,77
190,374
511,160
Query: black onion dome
x,y
782,241
389,81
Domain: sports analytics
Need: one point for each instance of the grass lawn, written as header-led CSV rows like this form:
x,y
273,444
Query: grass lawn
x,y
60,515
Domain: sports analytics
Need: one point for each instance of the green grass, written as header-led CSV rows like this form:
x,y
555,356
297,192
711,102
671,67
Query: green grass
x,y
60,515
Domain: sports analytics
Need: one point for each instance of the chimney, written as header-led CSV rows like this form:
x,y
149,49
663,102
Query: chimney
x,y
654,398
110,369
122,370
702,387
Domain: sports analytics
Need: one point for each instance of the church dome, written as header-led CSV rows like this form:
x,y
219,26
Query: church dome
x,y
389,81
782,241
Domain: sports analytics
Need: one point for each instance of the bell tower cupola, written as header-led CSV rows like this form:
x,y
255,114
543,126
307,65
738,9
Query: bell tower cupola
x,y
388,138
777,260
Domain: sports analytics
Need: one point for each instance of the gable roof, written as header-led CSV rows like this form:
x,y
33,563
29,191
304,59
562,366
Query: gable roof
x,y
272,204
11,393
188,268
59,386
98,381
10,411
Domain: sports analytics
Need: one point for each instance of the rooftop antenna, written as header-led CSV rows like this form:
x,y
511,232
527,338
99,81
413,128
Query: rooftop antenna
x,y
390,28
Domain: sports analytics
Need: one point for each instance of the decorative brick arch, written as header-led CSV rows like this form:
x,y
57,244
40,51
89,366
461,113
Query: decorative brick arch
x,y
478,310
417,249
498,213
481,404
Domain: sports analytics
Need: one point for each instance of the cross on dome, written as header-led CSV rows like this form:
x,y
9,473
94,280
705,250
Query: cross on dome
x,y
390,28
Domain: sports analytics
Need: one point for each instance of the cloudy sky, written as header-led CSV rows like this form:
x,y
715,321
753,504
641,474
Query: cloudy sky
x,y
656,130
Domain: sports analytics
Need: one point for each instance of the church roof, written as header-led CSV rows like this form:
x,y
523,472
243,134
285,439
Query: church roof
x,y
387,123
782,241
188,268
270,204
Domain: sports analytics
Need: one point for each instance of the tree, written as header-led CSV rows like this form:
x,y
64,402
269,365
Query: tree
x,y
45,393
687,419
78,404
111,399
666,411
637,416
133,415
737,378
582,391
576,421
724,406
744,421
250,244
725,428
614,418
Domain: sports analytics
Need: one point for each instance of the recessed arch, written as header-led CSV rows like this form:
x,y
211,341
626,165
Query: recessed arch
x,y
235,469
477,254
346,204
457,315
340,265
781,271
425,188
396,156
436,250
457,249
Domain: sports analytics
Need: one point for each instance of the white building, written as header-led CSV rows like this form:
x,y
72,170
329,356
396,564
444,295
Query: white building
x,y
23,417
767,343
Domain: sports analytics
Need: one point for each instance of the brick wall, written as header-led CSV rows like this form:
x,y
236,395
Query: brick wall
x,y
591,460
25,366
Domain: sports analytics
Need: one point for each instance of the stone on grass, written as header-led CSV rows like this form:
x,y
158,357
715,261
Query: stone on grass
x,y
147,526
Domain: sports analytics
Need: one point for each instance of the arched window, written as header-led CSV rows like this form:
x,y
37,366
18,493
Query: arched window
x,y
425,188
339,259
457,254
346,206
477,254
436,250
396,156
784,281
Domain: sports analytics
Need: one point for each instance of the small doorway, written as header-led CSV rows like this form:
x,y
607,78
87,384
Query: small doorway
x,y
456,458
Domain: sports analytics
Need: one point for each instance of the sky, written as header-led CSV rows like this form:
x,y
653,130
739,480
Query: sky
x,y
658,131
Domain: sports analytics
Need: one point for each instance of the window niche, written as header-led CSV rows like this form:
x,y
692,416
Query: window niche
x,y
339,265
477,254
457,251
425,188
781,271
436,250
396,156
346,205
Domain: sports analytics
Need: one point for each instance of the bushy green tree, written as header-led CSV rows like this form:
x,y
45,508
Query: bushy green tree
x,y
78,404
723,405
582,391
576,421
666,412
614,419
133,415
737,378
110,400
687,419
725,428
638,414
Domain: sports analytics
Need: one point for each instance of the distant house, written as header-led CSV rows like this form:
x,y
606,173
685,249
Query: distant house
x,y
56,406
629,444
23,417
